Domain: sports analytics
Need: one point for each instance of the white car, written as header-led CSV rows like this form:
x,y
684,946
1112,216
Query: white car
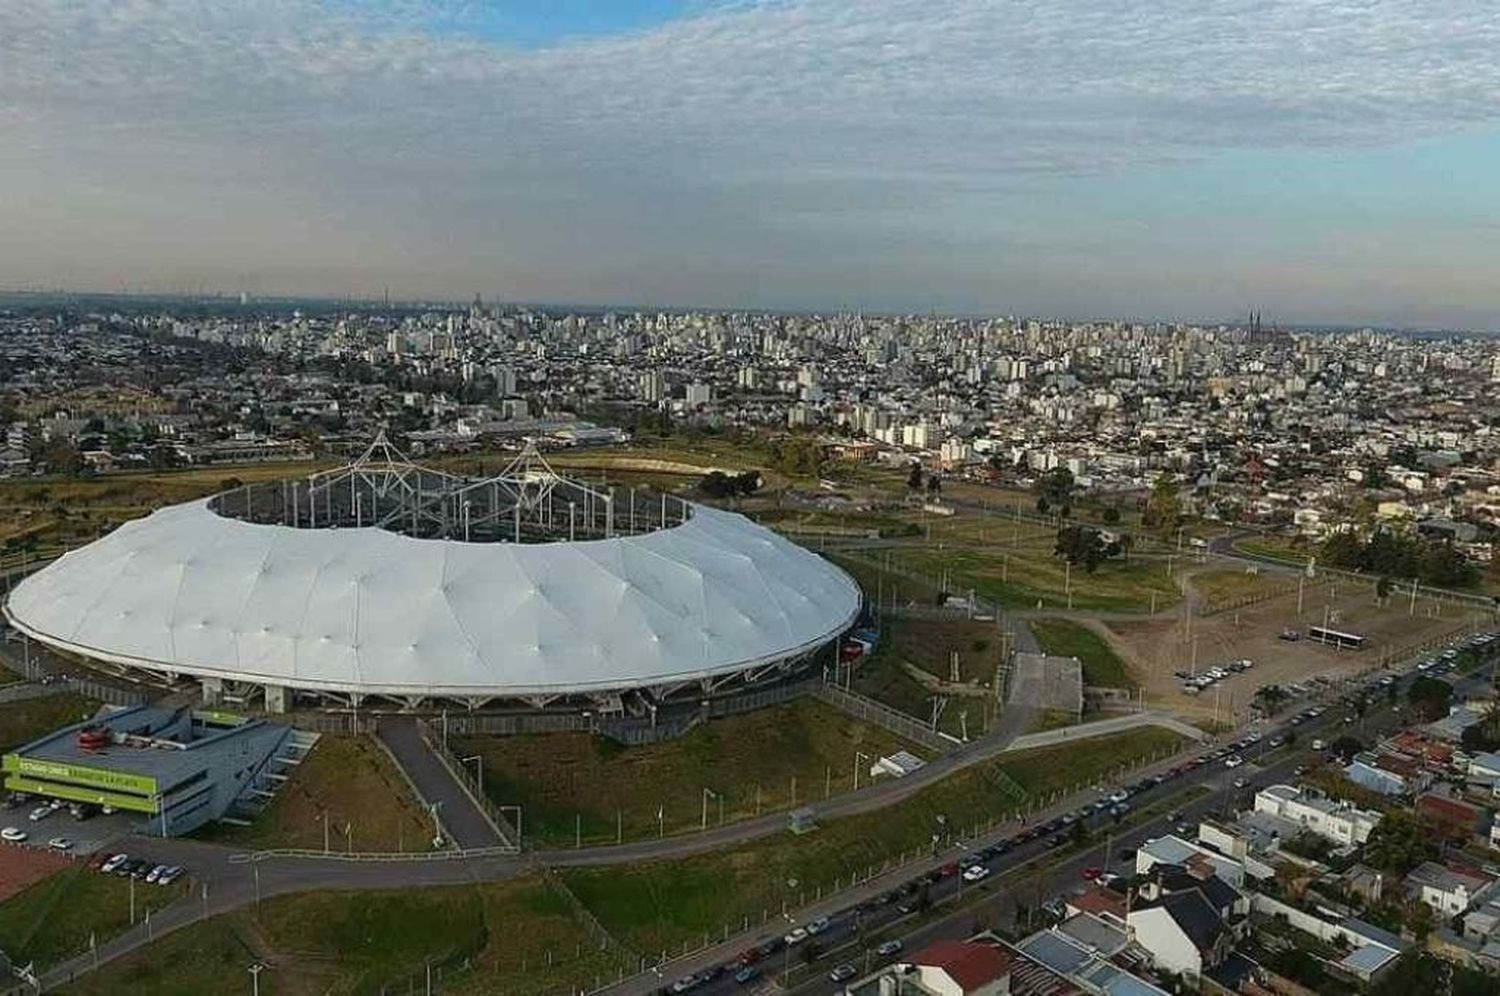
x,y
114,862
169,876
817,926
155,873
978,873
13,835
1233,761
60,844
797,936
40,813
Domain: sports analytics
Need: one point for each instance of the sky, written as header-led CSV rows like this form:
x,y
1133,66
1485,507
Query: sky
x,y
1332,161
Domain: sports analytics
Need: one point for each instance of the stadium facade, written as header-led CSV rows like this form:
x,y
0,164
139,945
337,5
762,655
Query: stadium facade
x,y
387,584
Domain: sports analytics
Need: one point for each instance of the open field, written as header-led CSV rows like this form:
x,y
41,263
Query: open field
x,y
1065,638
1029,577
515,937
572,783
22,722
350,781
1219,588
1155,648
662,905
931,643
53,919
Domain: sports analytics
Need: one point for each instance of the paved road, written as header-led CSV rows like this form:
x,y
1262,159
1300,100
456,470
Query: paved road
x,y
226,881
859,919
463,820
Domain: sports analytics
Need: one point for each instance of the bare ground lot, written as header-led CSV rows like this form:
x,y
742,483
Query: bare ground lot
x,y
1155,648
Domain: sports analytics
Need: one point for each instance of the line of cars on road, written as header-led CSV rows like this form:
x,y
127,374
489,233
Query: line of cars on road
x,y
140,869
1192,683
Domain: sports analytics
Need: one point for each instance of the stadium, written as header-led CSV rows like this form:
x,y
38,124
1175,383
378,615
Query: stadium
x,y
385,584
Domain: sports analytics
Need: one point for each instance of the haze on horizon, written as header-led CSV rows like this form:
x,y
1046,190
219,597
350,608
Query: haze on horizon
x,y
1327,162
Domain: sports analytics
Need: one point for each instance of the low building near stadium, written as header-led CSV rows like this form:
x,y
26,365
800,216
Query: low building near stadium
x,y
177,768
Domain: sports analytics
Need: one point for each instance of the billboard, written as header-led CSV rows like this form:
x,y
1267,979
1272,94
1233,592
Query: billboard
x,y
76,774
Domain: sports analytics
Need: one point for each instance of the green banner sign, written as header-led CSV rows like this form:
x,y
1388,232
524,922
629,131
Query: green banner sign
x,y
75,793
75,774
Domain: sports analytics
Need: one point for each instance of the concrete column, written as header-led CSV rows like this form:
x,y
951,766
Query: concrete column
x,y
276,698
213,690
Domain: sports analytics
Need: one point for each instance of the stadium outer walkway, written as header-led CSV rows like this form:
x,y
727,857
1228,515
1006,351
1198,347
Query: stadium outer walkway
x,y
466,825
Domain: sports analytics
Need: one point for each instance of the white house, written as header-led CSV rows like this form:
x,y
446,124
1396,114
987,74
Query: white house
x,y
1338,822
1450,891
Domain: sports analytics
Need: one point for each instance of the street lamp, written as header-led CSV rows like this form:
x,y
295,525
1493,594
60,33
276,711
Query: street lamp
x,y
255,969
478,760
857,756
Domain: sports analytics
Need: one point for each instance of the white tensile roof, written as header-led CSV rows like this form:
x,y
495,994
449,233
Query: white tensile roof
x,y
188,590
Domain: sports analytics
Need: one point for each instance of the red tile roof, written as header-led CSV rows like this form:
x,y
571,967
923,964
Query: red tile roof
x,y
969,964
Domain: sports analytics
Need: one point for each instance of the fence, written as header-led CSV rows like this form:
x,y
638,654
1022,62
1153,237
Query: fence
x,y
884,716
472,788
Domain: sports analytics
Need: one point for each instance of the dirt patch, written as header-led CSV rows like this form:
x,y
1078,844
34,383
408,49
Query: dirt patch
x,y
1156,648
23,867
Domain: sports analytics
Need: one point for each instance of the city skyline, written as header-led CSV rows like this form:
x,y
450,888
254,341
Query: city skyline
x,y
1327,165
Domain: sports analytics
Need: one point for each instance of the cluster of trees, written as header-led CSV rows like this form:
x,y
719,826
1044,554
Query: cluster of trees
x,y
1055,492
1483,735
1081,545
1399,842
1163,511
1400,555
796,455
1430,697
916,482
717,484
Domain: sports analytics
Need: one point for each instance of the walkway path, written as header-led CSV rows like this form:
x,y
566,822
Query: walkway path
x,y
464,821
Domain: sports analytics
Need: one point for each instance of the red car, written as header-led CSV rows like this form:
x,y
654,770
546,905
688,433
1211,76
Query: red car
x,y
749,956
950,869
1090,874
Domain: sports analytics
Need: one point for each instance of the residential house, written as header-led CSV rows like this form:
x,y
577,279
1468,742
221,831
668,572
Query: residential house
x,y
1338,822
1187,921
1449,889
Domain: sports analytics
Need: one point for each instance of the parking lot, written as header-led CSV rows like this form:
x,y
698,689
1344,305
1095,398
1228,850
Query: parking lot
x,y
84,837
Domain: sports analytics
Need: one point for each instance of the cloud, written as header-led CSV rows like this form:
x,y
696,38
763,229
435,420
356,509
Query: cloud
x,y
747,137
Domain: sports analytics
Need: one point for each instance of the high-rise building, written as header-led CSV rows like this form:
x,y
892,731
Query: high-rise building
x,y
653,386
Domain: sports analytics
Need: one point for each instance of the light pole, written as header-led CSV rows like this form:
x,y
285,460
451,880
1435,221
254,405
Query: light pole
x,y
255,969
857,756
708,793
478,760
325,831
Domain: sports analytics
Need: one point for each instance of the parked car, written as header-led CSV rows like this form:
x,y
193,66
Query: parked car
x,y
1233,761
977,873
13,835
155,873
817,926
169,876
796,936
114,863
889,948
842,973
747,974
60,844
685,983
40,813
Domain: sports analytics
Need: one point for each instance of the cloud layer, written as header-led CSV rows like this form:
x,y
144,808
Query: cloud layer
x,y
796,152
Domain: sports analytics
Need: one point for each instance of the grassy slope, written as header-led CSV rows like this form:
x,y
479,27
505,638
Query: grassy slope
x,y
53,919
1025,575
354,782
1101,665
24,721
512,937
558,778
664,904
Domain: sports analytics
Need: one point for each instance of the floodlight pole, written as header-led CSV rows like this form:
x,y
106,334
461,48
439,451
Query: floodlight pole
x,y
255,971
570,521
857,755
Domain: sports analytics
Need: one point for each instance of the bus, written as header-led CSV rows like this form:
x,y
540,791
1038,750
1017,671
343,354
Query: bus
x,y
1335,638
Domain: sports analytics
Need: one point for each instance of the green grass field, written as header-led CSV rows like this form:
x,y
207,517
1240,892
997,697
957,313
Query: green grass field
x,y
1221,588
22,722
1028,576
515,937
53,920
1101,665
356,785
662,905
565,782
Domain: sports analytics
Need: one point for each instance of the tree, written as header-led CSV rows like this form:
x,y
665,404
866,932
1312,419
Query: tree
x,y
62,458
914,478
1346,747
1056,487
1080,545
1111,515
1383,588
1398,843
1430,697
1164,507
